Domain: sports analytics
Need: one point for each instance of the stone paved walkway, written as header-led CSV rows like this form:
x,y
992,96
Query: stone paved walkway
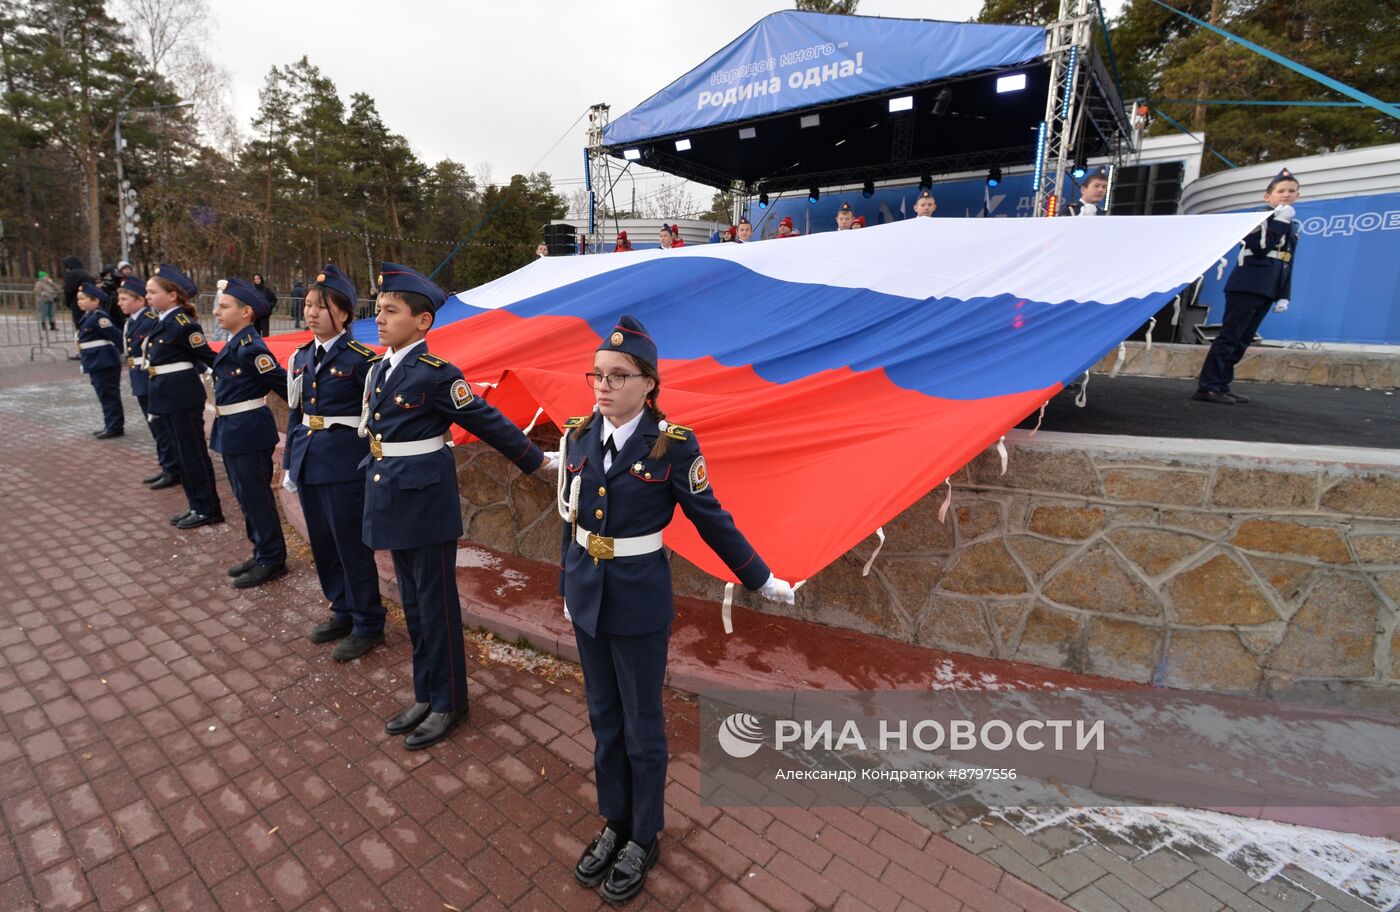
x,y
169,743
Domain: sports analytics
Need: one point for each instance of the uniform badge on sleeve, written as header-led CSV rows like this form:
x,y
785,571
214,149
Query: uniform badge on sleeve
x,y
461,393
264,363
699,475
196,339
104,322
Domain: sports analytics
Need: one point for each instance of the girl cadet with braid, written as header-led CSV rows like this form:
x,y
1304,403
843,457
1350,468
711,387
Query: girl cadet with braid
x,y
626,469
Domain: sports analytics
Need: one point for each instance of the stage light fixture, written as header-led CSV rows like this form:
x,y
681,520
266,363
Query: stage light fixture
x,y
763,200
926,181
1012,83
868,190
1052,205
994,177
810,120
1080,169
941,102
632,154
747,132
682,145
814,194
902,103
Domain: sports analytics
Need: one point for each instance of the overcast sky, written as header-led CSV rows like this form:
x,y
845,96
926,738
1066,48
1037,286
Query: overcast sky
x,y
496,82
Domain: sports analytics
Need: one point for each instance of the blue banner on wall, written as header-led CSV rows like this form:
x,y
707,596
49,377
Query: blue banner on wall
x,y
791,60
1346,278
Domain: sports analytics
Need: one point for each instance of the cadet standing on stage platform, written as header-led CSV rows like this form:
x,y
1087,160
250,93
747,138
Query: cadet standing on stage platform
x,y
99,342
322,464
925,206
1262,279
140,320
1091,194
744,234
626,470
175,352
411,400
245,433
844,217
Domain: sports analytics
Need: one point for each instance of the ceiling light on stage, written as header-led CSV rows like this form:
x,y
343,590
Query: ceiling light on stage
x,y
682,145
814,194
763,200
926,181
1080,169
993,177
747,132
810,120
632,154
941,102
902,103
868,190
1013,83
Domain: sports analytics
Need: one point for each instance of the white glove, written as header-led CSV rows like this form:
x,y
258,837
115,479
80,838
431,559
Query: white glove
x,y
567,616
1285,213
551,461
776,590
287,483
1281,306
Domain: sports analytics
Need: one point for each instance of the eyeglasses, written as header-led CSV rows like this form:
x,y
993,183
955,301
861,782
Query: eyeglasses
x,y
595,380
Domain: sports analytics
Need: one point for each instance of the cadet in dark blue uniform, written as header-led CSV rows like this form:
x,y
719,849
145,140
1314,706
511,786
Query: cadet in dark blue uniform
x,y
411,401
1262,279
1092,191
175,352
323,464
140,320
626,468
99,349
245,433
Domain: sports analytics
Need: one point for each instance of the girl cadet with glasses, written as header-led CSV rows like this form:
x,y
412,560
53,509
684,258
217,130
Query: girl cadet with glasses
x,y
626,469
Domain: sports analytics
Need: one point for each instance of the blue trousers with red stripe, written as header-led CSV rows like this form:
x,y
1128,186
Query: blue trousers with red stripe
x,y
428,590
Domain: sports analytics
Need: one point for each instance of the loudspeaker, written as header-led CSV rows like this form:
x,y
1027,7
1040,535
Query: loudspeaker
x,y
562,240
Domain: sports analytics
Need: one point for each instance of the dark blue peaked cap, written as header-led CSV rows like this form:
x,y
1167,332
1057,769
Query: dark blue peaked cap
x,y
393,277
134,284
630,337
182,281
92,291
331,277
245,292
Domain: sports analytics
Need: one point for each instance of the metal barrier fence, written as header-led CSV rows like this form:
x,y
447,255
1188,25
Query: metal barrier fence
x,y
47,331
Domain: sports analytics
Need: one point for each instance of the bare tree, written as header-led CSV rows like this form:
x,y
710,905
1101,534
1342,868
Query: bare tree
x,y
671,200
173,35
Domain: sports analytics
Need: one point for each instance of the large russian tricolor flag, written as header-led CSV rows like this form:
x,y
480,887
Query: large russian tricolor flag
x,y
832,380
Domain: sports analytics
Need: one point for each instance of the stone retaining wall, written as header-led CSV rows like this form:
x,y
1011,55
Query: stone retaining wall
x,y
1369,370
1235,567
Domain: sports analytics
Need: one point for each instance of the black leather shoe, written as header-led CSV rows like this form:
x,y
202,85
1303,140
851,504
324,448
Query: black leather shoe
x,y
180,517
195,520
409,719
433,729
166,480
595,861
330,631
629,873
240,569
1213,396
352,647
109,434
1239,397
154,478
261,573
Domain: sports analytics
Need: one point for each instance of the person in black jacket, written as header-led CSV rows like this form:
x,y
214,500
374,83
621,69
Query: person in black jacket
x,y
1262,281
74,277
263,324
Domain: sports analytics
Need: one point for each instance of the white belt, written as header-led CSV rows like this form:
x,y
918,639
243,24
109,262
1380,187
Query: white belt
x,y
1271,254
156,369
136,363
601,546
379,448
247,405
98,344
321,422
